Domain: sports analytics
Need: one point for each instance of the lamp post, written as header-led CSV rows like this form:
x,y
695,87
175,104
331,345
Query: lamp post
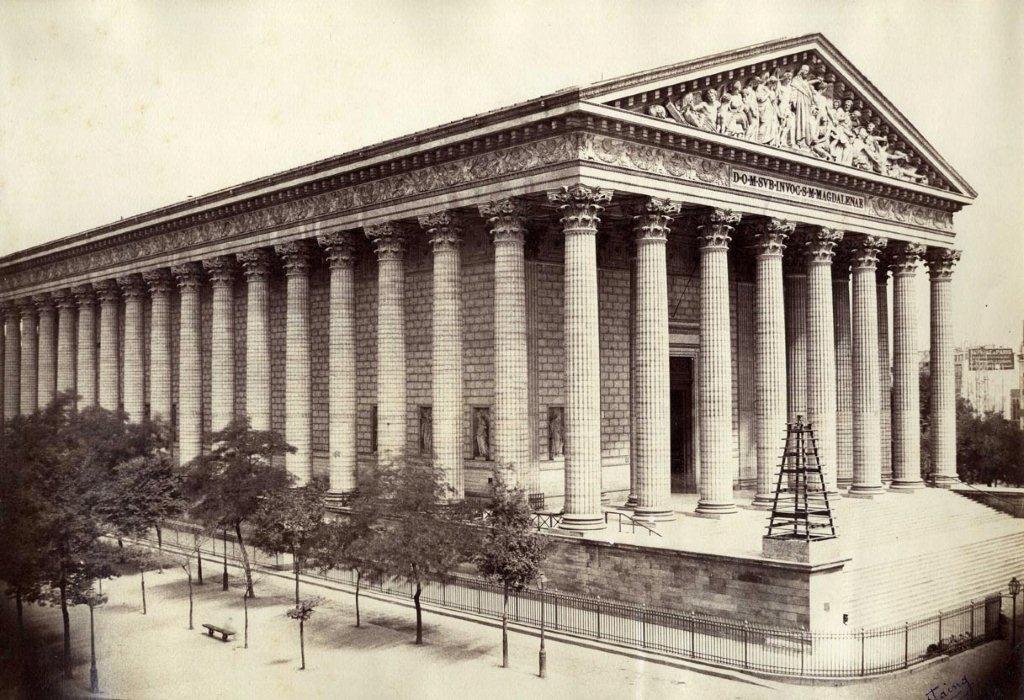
x,y
1014,587
543,655
93,599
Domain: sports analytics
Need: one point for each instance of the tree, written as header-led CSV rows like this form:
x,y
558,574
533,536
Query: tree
x,y
293,523
422,537
511,550
990,448
302,612
227,484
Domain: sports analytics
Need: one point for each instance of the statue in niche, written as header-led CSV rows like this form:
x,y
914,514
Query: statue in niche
x,y
556,432
482,433
373,429
426,430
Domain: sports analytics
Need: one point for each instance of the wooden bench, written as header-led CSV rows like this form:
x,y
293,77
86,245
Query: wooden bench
x,y
225,634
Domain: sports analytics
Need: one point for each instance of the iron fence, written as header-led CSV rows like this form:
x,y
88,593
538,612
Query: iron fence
x,y
788,652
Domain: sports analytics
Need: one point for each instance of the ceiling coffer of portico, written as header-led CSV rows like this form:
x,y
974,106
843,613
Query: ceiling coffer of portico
x,y
798,102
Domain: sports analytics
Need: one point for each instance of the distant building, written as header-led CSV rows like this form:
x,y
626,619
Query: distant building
x,y
988,377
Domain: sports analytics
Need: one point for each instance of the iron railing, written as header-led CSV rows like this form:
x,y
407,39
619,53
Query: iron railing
x,y
768,650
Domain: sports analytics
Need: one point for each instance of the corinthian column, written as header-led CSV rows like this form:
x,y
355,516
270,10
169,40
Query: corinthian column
x,y
650,362
134,290
85,374
770,338
511,408
943,385
821,349
190,363
906,407
256,264
446,355
795,296
844,369
298,415
581,206
391,396
867,465
341,389
221,271
715,375
66,323
884,371
29,359
160,284
110,298
47,387
12,361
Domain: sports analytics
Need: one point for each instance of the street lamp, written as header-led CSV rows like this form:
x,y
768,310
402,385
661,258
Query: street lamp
x,y
93,599
543,656
1014,587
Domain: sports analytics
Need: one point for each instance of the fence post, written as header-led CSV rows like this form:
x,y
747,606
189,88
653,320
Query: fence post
x,y
478,600
862,651
599,618
693,636
745,642
643,625
940,630
516,599
906,644
972,621
802,649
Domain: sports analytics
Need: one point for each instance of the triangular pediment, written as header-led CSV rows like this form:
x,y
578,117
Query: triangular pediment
x,y
796,95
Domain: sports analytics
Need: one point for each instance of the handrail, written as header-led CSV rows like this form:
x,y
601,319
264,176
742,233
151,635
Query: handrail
x,y
632,521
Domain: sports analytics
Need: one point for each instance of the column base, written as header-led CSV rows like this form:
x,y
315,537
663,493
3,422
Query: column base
x,y
763,501
631,501
582,521
654,515
946,482
714,510
906,486
863,491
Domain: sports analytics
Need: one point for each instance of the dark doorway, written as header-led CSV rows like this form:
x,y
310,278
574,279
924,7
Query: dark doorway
x,y
681,400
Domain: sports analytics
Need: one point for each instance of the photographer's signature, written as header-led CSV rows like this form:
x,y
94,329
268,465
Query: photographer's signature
x,y
948,691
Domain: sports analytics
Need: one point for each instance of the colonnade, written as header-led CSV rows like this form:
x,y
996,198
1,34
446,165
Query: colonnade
x,y
814,336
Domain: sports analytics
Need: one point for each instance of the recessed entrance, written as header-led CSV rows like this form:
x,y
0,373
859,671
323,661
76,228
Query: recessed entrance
x,y
681,408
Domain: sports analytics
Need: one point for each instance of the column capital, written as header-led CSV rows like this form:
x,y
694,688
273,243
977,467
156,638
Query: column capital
x,y
443,229
8,309
220,270
65,299
132,286
652,218
108,290
159,281
339,247
820,246
256,262
42,301
189,275
905,257
387,240
85,294
715,230
865,252
581,206
296,256
941,262
769,237
505,217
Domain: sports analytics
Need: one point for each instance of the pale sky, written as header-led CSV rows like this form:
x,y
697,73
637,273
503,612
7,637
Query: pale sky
x,y
110,109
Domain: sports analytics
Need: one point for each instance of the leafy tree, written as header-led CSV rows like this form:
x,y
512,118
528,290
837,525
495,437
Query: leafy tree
x,y
990,448
302,612
227,484
422,538
511,550
292,522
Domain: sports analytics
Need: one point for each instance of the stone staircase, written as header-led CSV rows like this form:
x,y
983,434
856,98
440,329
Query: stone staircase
x,y
916,554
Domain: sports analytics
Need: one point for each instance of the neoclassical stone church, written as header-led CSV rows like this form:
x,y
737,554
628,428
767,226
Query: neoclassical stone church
x,y
609,294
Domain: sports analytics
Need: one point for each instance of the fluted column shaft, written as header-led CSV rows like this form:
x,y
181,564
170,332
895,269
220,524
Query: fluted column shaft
x,y
943,379
221,271
446,358
844,371
109,357
884,372
511,409
29,359
821,349
160,284
298,413
795,297
134,376
341,389
66,328
256,264
85,372
581,207
867,465
650,362
391,367
770,385
906,407
715,375
12,362
47,387
190,364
